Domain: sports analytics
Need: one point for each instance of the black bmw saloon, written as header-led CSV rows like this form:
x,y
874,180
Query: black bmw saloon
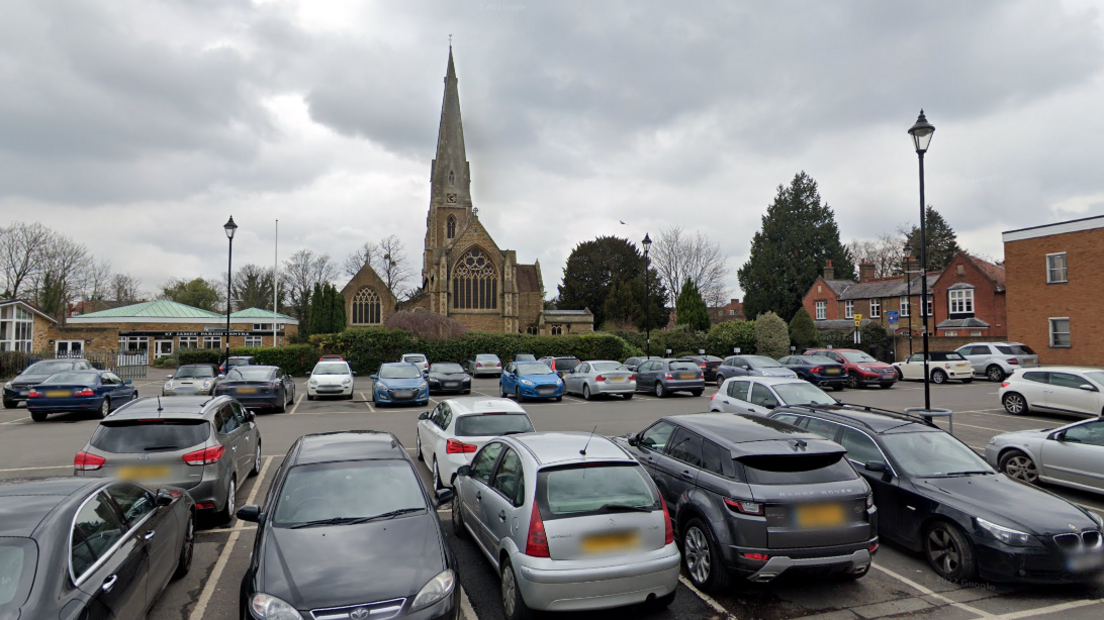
x,y
348,531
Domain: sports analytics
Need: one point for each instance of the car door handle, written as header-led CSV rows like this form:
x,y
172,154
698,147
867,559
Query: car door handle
x,y
687,475
502,515
149,535
109,583
479,496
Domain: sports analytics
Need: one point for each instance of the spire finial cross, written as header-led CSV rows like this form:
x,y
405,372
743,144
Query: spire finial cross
x,y
450,41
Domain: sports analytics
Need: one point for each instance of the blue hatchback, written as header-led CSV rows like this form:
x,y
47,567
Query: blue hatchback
x,y
82,390
530,380
400,382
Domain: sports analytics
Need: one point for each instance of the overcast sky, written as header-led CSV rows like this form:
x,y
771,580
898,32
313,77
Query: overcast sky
x,y
137,127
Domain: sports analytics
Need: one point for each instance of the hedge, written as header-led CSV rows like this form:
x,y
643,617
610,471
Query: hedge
x,y
297,359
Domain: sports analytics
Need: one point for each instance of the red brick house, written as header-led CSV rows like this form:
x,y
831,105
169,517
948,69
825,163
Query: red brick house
x,y
969,296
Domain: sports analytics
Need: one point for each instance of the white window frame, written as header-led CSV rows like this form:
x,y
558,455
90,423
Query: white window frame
x,y
254,341
157,352
16,329
961,301
927,310
1054,274
187,342
1052,333
262,327
950,334
875,308
141,345
849,309
69,353
212,340
821,309
904,306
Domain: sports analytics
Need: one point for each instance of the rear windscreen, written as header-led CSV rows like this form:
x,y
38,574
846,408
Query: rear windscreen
x,y
576,491
802,469
157,436
490,424
1016,349
566,363
683,366
251,373
17,569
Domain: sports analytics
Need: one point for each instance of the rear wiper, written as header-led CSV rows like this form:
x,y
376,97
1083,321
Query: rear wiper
x,y
515,432
154,448
952,474
331,521
624,508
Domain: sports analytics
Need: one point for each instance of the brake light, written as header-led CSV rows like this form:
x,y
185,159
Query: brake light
x,y
207,456
667,376
762,557
703,366
536,545
873,547
85,392
632,377
455,446
478,365
668,531
88,462
817,370
599,378
498,364
34,394
1013,361
1005,384
748,508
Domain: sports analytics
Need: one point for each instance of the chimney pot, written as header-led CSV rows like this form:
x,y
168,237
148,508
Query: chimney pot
x,y
829,271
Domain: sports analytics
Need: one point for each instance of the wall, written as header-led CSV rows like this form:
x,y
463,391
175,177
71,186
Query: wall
x,y
820,291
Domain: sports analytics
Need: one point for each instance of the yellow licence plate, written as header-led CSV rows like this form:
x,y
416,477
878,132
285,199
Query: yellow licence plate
x,y
58,394
832,371
247,390
820,515
686,376
617,379
143,473
612,541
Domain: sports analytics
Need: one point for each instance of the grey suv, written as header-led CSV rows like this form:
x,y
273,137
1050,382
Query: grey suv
x,y
757,497
996,360
204,445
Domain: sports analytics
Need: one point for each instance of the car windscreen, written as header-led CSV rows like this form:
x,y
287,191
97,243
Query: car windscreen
x,y
607,367
194,372
857,356
158,435
241,361
446,369
251,373
933,454
534,368
48,368
402,371
1096,376
796,469
581,490
566,363
331,368
758,361
1015,349
802,394
73,378
491,424
18,557
683,366
347,490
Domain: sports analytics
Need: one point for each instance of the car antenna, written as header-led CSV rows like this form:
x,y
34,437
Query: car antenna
x,y
159,409
583,451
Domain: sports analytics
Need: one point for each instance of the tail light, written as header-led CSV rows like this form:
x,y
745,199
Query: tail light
x,y
668,531
85,392
748,508
1013,361
498,364
632,377
667,376
536,545
703,366
600,378
88,462
34,394
1005,384
455,446
817,370
873,547
207,456
762,557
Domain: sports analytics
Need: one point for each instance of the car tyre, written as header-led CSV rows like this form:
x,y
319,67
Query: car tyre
x,y
458,528
949,552
105,407
628,396
886,386
702,557
418,443
517,394
187,550
513,605
660,391
310,397
697,392
720,380
995,373
1015,403
663,602
900,375
436,475
586,392
10,404
853,380
227,512
282,407
39,416
256,461
1018,465
968,381
938,377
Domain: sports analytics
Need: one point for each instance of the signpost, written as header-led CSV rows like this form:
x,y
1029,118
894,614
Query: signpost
x,y
858,323
893,316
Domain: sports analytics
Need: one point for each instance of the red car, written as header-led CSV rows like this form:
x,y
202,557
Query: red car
x,y
862,370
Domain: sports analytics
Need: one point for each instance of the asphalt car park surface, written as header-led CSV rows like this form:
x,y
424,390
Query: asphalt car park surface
x,y
900,585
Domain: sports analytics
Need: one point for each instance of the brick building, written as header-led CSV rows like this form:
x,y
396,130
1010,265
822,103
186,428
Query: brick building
x,y
1054,297
23,327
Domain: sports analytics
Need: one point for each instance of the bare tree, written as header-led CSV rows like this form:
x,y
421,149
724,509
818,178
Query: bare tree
x,y
678,255
125,288
97,282
359,258
301,273
22,254
387,258
64,270
886,253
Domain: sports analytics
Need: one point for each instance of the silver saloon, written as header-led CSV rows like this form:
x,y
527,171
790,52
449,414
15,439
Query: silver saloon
x,y
569,521
597,377
1070,456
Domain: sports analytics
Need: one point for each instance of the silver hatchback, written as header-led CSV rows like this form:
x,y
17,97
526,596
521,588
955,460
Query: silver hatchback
x,y
570,521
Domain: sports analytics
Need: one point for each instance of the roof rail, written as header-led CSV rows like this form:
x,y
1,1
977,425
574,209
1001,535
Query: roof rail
x,y
901,415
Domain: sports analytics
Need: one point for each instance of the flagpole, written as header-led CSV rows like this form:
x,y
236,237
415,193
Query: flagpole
x,y
275,283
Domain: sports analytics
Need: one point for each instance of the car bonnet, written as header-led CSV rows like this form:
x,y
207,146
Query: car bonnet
x,y
1004,501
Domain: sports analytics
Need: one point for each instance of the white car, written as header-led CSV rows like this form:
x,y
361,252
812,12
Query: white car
x,y
418,360
1057,389
331,378
997,360
451,434
761,395
942,367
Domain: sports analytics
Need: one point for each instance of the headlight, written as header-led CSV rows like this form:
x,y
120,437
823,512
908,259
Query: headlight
x,y
346,381
525,382
314,381
381,386
267,607
423,386
168,386
1006,535
438,588
8,385
869,501
866,368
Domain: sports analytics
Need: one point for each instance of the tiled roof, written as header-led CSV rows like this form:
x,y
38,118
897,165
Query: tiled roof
x,y
527,279
994,272
892,288
159,309
961,323
840,286
256,313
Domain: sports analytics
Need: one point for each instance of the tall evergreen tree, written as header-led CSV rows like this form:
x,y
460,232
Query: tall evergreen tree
x,y
799,235
317,316
690,308
941,238
597,268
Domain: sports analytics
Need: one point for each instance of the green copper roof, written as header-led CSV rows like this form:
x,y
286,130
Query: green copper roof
x,y
256,313
159,309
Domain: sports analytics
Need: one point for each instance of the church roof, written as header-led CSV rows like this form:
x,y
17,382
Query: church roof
x,y
528,280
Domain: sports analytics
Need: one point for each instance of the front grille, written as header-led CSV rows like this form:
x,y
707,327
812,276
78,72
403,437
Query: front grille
x,y
1078,541
400,394
369,611
450,384
545,390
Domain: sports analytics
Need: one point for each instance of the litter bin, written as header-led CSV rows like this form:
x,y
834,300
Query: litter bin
x,y
932,414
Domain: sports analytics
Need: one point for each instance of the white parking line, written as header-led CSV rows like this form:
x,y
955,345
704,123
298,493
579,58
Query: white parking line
x,y
16,421
708,600
465,606
928,592
296,405
367,402
11,469
1031,613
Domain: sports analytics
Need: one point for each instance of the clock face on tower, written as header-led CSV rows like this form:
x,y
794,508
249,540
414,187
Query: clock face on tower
x,y
450,198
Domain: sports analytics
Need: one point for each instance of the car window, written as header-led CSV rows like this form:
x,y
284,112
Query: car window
x,y
607,367
655,438
581,368
535,368
761,396
133,500
1037,377
574,491
239,413
225,421
483,462
492,424
18,558
932,454
1066,380
686,447
822,428
739,390
78,378
399,371
1091,433
446,369
787,418
860,448
446,416
195,372
96,528
149,436
509,479
716,459
797,470
683,366
802,394
916,358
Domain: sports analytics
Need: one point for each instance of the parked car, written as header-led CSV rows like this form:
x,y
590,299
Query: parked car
x,y
942,367
633,363
399,382
862,370
98,391
940,498
236,360
16,390
996,360
757,497
352,533
530,380
1054,389
192,380
205,446
417,359
708,364
331,378
663,377
525,357
259,387
569,521
561,365
458,427
817,369
1070,455
597,377
761,395
448,377
331,357
485,364
73,548
751,366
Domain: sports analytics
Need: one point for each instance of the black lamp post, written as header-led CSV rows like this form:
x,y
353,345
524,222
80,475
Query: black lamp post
x,y
908,285
230,227
921,134
647,243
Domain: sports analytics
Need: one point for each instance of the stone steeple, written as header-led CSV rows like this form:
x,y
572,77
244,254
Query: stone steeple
x,y
450,177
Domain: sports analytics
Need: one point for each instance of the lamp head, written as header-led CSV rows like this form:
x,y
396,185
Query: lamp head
x,y
921,133
647,242
230,227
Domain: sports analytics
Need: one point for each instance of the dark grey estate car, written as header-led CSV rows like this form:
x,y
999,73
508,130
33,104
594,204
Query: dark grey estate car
x,y
662,377
757,497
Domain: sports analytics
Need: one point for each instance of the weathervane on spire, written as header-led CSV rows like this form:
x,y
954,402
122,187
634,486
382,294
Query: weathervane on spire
x,y
450,41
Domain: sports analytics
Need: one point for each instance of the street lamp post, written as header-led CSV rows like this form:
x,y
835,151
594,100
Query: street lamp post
x,y
230,227
921,133
908,280
647,243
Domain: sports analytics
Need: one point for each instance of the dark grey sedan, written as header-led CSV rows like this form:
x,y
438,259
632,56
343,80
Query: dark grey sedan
x,y
16,390
662,377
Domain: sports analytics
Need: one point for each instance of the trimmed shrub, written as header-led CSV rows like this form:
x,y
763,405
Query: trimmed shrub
x,y
772,337
724,337
199,356
803,331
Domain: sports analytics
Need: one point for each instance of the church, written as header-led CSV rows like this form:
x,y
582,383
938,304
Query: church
x,y
465,275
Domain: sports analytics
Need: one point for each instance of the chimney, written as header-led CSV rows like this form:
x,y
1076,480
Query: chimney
x,y
913,266
829,271
866,272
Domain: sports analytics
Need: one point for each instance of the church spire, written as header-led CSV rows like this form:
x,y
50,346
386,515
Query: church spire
x,y
450,176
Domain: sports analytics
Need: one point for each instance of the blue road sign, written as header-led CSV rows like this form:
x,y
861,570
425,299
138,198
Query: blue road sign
x,y
892,315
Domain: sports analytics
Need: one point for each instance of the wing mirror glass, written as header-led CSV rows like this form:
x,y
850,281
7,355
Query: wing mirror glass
x,y
443,497
423,415
633,440
127,382
164,498
374,377
876,466
1087,387
251,513
463,471
168,376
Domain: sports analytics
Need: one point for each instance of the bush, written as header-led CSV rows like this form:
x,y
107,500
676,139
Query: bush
x,y
772,337
803,331
681,338
199,356
426,325
725,337
297,359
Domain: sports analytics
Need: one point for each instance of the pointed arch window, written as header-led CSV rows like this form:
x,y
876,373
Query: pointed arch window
x,y
450,226
367,307
452,179
474,282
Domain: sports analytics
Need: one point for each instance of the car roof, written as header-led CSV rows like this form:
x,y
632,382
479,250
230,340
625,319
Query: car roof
x,y
739,428
559,448
486,355
168,407
36,499
1061,369
395,364
473,405
348,446
876,420
769,380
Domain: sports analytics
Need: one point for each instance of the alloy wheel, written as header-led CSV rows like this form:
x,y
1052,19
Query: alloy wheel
x,y
853,380
189,542
509,591
939,377
995,374
230,499
105,407
696,550
659,389
943,552
1014,404
1021,467
586,392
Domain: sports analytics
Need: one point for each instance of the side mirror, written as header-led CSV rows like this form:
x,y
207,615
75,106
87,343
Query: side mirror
x,y
463,471
168,376
354,373
164,498
770,406
1059,436
250,416
443,497
127,382
221,376
251,513
633,440
1087,387
374,377
423,415
876,466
